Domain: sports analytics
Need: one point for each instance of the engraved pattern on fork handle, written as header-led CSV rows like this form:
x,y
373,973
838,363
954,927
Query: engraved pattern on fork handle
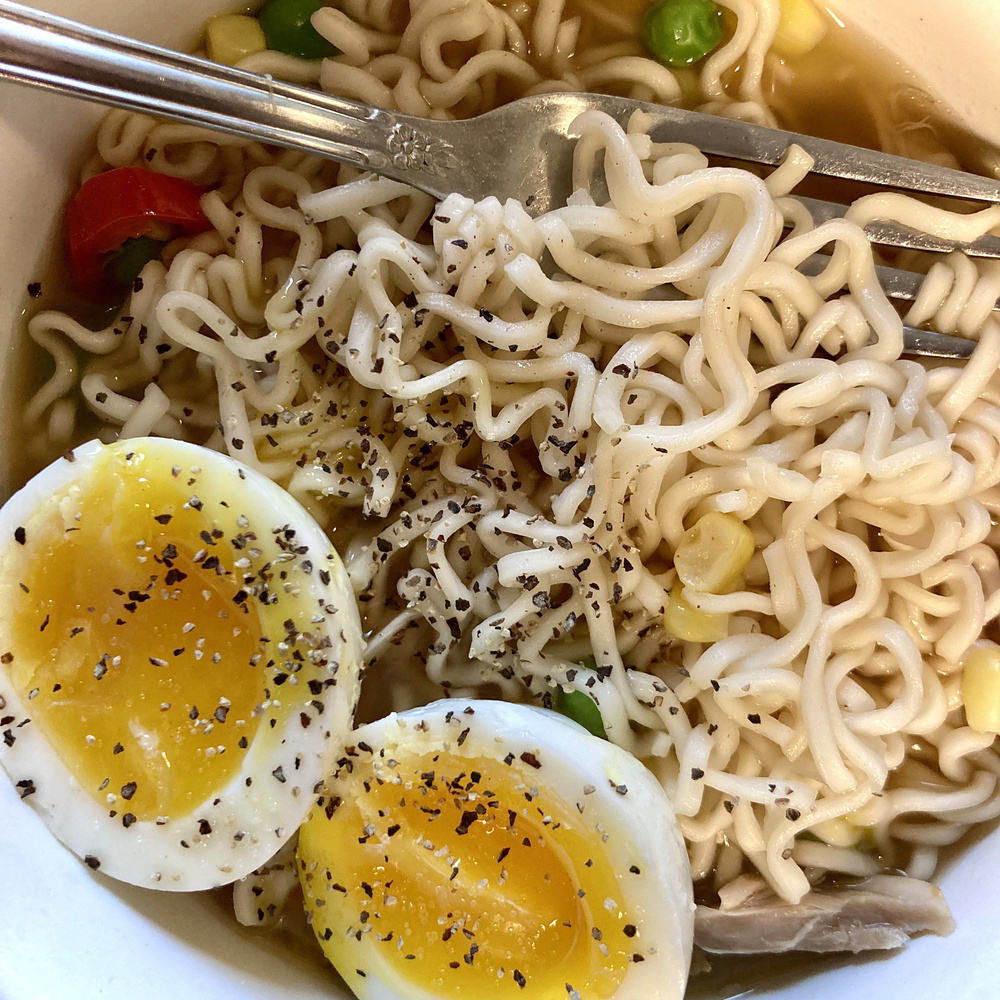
x,y
412,148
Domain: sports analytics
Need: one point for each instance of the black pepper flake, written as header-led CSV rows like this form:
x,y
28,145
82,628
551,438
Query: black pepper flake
x,y
27,787
221,712
629,930
128,819
20,535
519,979
530,759
754,718
279,773
92,862
128,790
468,818
697,773
792,814
35,289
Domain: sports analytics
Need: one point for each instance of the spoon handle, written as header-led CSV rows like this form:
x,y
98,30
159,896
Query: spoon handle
x,y
57,54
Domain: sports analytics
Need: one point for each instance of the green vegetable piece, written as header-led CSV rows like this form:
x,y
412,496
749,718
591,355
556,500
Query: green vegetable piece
x,y
288,29
680,32
123,266
581,708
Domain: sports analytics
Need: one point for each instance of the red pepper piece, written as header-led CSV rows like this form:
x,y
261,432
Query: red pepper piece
x,y
121,204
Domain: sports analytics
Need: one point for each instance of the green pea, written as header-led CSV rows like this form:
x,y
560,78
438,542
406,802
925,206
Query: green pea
x,y
123,266
581,708
680,32
287,28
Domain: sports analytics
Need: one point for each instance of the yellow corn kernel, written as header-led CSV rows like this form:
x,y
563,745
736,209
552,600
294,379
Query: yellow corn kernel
x,y
712,556
838,832
232,37
981,687
690,624
801,29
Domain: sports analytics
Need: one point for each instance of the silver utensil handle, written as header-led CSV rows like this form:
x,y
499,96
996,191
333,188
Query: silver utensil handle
x,y
62,55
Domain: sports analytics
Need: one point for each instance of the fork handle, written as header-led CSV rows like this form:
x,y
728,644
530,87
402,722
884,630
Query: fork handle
x,y
58,54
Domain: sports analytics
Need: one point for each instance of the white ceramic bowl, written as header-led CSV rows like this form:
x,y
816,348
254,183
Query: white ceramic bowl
x,y
68,933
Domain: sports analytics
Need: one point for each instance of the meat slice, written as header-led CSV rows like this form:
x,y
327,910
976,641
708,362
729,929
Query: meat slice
x,y
883,912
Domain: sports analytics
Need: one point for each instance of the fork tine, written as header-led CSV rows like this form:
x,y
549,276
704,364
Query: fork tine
x,y
755,143
894,235
928,344
895,282
905,285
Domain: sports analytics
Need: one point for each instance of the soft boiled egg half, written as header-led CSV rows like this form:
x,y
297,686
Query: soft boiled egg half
x,y
484,849
179,653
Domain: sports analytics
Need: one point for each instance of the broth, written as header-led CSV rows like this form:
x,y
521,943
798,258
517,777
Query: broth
x,y
850,89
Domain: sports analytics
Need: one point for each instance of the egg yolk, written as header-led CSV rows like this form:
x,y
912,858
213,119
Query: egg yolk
x,y
466,879
133,639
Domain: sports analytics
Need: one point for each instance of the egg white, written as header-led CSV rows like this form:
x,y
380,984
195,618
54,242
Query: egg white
x,y
240,825
608,790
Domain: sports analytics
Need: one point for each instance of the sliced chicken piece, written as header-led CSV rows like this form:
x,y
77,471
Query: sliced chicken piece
x,y
883,912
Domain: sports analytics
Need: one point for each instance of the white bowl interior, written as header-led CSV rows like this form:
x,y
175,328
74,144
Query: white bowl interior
x,y
66,931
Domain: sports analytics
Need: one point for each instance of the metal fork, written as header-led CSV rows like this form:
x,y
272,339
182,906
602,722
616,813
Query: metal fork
x,y
522,150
